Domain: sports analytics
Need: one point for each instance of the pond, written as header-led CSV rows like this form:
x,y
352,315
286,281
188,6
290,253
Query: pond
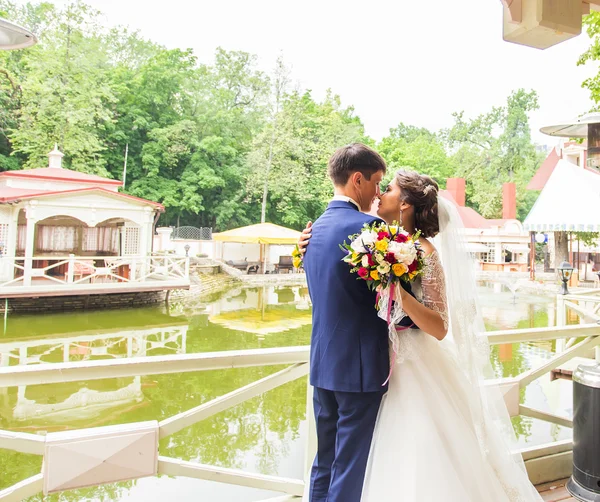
x,y
266,434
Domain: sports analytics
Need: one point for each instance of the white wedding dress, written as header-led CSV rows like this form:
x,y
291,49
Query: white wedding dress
x,y
432,440
442,435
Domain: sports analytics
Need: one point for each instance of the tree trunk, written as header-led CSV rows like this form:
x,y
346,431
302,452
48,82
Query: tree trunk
x,y
561,248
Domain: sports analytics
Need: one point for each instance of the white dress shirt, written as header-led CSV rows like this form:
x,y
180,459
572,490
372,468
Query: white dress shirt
x,y
345,198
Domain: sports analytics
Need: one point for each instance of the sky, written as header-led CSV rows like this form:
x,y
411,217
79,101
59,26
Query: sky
x,y
395,61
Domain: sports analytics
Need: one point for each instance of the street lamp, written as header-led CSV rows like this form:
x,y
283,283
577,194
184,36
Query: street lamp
x,y
187,249
565,269
12,36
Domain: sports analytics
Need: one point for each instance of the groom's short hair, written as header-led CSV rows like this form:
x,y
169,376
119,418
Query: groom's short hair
x,y
352,158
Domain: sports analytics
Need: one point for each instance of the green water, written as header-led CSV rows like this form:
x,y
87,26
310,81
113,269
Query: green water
x,y
265,434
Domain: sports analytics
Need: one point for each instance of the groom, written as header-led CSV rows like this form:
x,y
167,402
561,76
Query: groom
x,y
349,358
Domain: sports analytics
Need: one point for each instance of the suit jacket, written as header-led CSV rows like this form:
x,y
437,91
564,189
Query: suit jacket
x,y
349,344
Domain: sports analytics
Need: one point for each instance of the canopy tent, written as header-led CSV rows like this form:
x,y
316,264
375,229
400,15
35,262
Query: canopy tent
x,y
517,248
261,233
476,247
569,201
275,319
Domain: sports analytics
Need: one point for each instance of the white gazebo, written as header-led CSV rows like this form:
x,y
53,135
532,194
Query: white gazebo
x,y
65,228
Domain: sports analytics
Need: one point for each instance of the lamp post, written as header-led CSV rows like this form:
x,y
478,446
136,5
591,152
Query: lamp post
x,y
565,269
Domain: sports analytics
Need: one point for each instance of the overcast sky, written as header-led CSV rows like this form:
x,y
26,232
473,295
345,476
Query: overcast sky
x,y
396,61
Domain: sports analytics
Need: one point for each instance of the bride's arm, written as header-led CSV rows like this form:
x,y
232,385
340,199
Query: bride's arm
x,y
432,315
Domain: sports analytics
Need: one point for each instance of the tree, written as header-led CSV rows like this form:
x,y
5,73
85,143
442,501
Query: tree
x,y
495,148
67,94
308,133
280,83
418,149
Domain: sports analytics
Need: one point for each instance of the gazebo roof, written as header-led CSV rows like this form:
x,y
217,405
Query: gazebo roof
x,y
51,173
11,195
569,201
261,233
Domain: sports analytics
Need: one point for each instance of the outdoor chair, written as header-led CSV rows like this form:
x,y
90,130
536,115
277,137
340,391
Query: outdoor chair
x,y
285,263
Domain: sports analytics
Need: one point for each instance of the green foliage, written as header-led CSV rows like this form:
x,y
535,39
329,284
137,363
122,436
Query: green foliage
x,y
409,147
495,148
216,143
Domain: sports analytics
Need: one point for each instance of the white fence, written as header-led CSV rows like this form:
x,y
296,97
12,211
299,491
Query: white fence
x,y
73,270
545,462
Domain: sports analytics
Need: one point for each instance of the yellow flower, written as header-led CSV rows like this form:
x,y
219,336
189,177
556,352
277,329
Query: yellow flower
x,y
355,258
399,269
412,275
297,261
374,275
381,245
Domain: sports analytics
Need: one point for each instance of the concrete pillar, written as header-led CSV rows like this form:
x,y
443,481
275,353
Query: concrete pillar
x,y
164,240
498,255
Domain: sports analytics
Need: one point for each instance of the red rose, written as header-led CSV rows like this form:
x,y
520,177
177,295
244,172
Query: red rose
x,y
363,272
400,237
371,260
413,266
382,235
390,258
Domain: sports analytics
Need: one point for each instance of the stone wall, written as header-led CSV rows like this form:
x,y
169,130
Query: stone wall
x,y
83,302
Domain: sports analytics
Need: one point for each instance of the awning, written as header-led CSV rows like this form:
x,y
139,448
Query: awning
x,y
517,248
262,233
12,36
477,247
569,201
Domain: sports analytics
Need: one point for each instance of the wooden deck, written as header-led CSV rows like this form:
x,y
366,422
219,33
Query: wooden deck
x,y
555,492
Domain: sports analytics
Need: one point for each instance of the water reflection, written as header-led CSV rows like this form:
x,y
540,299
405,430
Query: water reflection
x,y
265,434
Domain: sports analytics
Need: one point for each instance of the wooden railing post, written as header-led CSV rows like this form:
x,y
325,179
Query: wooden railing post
x,y
71,268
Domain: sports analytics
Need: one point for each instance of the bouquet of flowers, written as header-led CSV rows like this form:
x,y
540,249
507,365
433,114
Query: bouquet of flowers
x,y
297,260
383,255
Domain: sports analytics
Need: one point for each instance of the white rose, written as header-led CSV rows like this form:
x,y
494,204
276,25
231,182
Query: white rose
x,y
393,247
405,252
368,237
365,261
383,268
379,258
357,245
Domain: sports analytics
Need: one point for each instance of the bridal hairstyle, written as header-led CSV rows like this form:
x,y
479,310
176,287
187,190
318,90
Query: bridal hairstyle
x,y
352,158
421,192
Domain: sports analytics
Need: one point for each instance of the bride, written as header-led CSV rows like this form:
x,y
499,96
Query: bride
x,y
441,434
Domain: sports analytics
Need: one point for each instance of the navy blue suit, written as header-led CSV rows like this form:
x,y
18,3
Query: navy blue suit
x,y
349,358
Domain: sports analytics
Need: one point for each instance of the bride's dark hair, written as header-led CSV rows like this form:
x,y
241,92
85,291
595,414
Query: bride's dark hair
x,y
421,192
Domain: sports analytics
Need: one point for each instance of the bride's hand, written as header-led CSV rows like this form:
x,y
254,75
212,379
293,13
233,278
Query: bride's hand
x,y
305,237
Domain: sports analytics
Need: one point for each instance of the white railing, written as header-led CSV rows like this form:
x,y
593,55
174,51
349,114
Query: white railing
x,y
75,270
545,462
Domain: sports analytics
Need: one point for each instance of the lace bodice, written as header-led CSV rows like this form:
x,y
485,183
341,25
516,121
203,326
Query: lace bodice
x,y
432,288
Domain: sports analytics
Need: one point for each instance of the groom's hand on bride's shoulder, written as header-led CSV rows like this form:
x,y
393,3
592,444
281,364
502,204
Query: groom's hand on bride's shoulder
x,y
305,237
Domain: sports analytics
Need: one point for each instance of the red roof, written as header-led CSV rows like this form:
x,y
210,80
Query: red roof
x,y
544,171
470,217
8,194
542,175
58,174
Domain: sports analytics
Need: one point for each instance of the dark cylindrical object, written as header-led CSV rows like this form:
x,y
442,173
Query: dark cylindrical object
x,y
585,481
